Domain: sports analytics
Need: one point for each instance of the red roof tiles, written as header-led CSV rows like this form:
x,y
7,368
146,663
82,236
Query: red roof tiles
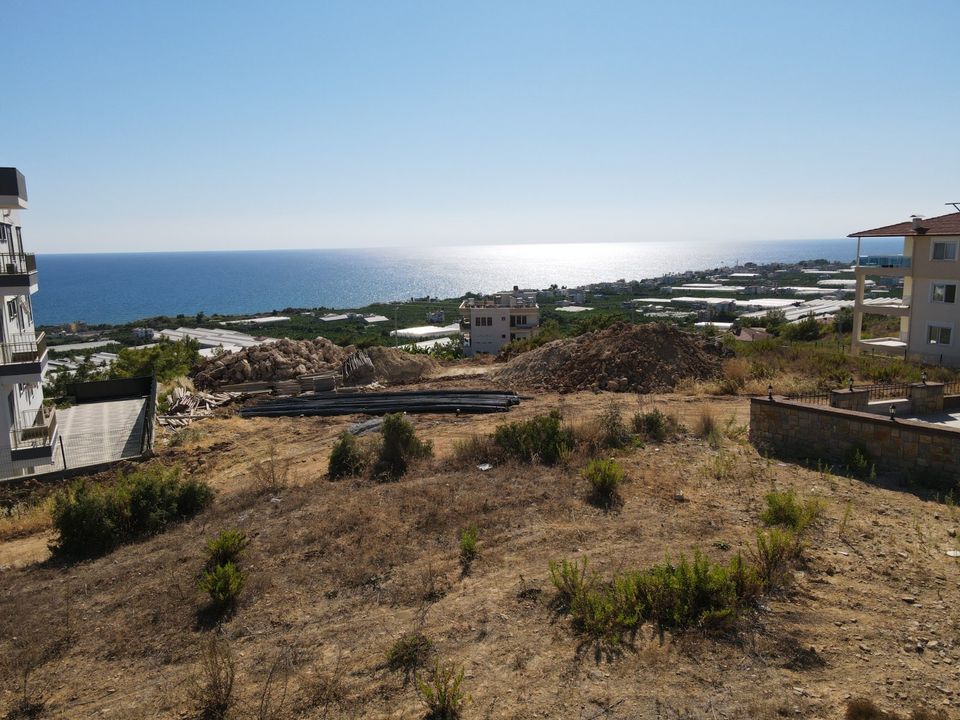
x,y
942,225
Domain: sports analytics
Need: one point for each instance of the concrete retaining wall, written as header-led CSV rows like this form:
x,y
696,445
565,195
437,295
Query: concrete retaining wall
x,y
811,432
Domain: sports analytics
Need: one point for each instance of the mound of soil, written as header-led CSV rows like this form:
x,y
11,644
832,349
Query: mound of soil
x,y
398,367
620,358
282,360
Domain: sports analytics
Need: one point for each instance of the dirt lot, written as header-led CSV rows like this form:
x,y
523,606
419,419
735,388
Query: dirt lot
x,y
339,571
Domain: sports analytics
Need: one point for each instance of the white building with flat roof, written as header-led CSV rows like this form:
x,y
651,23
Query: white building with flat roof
x,y
490,323
28,430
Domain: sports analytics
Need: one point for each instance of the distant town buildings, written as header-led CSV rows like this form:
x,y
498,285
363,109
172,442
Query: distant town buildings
x,y
930,270
28,430
490,323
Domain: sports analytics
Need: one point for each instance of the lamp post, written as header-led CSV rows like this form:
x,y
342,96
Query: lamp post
x,y
893,413
770,392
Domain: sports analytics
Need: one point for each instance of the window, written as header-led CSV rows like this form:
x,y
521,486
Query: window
x,y
944,293
944,250
4,232
11,309
938,335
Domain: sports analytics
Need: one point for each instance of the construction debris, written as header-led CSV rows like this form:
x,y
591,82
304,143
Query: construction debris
x,y
185,406
426,401
282,360
620,358
358,369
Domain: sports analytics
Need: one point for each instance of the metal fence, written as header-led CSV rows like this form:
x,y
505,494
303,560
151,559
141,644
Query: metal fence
x,y
881,391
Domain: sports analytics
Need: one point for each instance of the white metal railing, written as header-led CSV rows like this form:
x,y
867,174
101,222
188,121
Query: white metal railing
x,y
34,428
23,348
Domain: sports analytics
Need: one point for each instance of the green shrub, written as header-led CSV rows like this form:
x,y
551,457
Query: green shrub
x,y
571,581
226,547
346,457
442,692
539,439
167,359
469,544
223,583
409,653
613,432
860,464
399,445
775,550
654,425
803,330
604,477
92,518
474,450
785,509
670,595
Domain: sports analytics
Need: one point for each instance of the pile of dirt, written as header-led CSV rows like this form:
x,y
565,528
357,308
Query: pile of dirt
x,y
620,358
282,360
398,367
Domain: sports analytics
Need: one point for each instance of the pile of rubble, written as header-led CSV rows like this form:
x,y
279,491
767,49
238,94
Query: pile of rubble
x,y
287,361
620,358
282,360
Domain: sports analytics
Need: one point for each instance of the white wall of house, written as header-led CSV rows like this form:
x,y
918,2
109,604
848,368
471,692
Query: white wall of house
x,y
494,324
934,292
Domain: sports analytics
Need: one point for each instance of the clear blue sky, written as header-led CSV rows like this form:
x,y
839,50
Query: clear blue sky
x,y
232,125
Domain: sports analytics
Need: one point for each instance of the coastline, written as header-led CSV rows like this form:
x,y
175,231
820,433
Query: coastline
x,y
120,288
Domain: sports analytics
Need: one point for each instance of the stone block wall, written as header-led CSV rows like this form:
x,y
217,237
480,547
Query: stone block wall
x,y
810,432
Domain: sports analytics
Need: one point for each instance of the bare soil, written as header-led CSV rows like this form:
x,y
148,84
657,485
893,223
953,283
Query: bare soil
x,y
339,571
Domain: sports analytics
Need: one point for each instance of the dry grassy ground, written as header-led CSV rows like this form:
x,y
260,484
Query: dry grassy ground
x,y
339,571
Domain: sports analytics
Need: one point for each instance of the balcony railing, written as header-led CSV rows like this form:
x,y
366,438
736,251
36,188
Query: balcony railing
x,y
17,263
885,261
23,349
35,428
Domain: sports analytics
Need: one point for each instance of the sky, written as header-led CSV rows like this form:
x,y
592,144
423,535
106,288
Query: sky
x,y
222,125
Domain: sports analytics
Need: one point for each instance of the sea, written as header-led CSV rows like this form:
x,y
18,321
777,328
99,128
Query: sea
x,y
118,288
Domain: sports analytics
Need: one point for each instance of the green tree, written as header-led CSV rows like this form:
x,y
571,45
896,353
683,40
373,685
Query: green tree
x,y
167,359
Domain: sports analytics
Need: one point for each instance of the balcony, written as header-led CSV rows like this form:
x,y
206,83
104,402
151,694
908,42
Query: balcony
x,y
18,273
22,358
34,435
886,265
892,347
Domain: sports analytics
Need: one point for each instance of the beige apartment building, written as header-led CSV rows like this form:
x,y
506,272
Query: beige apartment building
x,y
487,324
929,312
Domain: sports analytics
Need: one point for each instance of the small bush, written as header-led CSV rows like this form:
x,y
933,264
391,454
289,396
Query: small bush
x,y
539,439
226,547
613,432
223,583
213,691
409,653
91,519
604,477
469,544
775,550
860,464
442,693
474,450
571,581
786,510
736,373
346,457
271,475
655,425
399,446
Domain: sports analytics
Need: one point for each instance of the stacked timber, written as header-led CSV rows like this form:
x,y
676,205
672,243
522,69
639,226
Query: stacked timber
x,y
186,406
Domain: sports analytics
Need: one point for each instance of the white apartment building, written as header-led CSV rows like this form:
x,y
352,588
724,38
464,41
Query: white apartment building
x,y
490,323
929,312
28,431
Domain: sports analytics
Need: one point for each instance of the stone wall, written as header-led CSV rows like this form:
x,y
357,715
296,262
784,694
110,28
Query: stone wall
x,y
814,432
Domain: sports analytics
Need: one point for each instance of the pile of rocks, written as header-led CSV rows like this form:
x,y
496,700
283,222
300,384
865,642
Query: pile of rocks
x,y
620,358
282,360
